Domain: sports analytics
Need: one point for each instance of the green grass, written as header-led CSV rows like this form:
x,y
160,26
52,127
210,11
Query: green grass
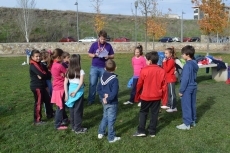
x,y
19,135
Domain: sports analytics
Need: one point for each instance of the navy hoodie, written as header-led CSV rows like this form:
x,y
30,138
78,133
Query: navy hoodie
x,y
188,76
109,85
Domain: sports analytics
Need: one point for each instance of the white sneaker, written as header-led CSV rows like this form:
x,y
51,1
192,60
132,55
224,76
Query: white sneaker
x,y
170,110
100,136
115,139
127,102
183,127
165,107
139,104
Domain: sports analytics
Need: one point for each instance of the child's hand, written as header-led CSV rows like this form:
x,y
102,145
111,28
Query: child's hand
x,y
104,100
66,97
62,74
73,94
106,57
180,94
39,77
164,60
106,95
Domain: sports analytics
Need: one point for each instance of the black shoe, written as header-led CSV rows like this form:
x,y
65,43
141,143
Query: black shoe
x,y
137,134
83,130
65,122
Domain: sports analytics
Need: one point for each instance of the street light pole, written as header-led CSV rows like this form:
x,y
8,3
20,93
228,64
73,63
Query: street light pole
x,y
181,37
77,21
136,5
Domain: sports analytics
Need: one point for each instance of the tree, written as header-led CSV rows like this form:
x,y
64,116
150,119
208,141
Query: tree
x,y
156,24
26,17
99,20
215,18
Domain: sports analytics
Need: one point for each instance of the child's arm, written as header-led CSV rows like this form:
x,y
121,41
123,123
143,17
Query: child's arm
x,y
168,65
39,74
184,79
66,88
79,85
113,94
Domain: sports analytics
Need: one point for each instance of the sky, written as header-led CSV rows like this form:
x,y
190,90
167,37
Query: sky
x,y
122,7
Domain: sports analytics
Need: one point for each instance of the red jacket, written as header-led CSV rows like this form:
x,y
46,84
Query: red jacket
x,y
151,84
170,67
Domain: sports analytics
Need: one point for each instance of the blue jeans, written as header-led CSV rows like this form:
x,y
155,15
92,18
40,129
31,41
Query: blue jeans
x,y
109,118
49,84
94,75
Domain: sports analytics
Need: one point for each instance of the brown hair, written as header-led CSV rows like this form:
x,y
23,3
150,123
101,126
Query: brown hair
x,y
44,55
65,54
172,51
110,65
74,67
102,33
140,48
56,53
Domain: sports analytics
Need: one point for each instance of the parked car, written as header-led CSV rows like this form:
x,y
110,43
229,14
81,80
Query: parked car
x,y
176,39
122,39
67,39
88,39
187,39
108,38
195,39
166,39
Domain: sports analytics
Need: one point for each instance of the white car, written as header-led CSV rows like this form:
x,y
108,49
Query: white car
x,y
176,39
88,39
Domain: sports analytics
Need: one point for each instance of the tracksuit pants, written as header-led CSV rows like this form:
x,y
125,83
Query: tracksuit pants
x,y
171,95
40,96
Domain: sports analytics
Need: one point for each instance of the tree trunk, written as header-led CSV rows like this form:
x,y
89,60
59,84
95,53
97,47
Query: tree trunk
x,y
153,44
208,44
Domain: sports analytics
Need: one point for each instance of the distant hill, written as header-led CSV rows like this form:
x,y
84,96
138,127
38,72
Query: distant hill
x,y
52,25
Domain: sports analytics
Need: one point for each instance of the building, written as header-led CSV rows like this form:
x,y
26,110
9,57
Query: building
x,y
198,14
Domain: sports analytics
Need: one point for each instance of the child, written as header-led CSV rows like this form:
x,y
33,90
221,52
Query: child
x,y
169,66
152,78
65,57
108,89
188,88
45,57
138,62
74,96
38,86
58,71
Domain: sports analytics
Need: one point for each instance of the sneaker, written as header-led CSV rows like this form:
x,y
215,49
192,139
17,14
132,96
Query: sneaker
x,y
170,110
115,139
83,130
165,107
127,102
183,127
100,136
62,128
193,124
139,134
39,123
152,135
139,104
65,122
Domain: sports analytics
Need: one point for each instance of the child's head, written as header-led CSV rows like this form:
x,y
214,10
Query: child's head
x,y
188,52
151,57
110,65
44,55
65,57
138,51
35,55
74,66
170,52
102,35
57,54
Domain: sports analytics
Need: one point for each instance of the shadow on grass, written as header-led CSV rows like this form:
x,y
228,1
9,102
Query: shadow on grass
x,y
203,78
124,93
204,107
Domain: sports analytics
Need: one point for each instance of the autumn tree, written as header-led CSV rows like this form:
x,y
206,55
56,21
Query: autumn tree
x,y
26,18
156,24
99,20
215,18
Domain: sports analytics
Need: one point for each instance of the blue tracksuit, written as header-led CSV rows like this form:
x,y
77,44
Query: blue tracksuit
x,y
188,88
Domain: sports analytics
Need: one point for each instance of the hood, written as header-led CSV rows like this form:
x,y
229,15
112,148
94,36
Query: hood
x,y
107,77
194,65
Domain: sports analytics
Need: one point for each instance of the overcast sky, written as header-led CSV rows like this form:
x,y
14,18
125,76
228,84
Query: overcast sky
x,y
122,7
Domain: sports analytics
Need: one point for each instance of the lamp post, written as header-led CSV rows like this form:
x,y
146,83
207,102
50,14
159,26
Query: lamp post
x,y
77,21
136,5
181,37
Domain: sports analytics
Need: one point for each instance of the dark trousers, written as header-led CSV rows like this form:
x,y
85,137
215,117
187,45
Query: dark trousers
x,y
40,96
171,95
60,114
133,91
76,114
154,107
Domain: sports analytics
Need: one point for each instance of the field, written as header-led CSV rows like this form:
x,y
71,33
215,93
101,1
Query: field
x,y
18,134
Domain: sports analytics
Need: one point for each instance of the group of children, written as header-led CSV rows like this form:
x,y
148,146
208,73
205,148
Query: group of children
x,y
152,86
